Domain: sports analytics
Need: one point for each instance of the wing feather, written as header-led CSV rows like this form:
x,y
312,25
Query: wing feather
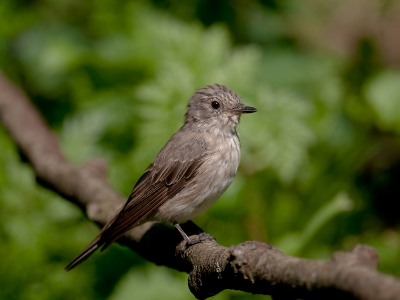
x,y
172,170
149,194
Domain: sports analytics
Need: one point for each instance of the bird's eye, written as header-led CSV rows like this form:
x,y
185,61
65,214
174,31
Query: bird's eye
x,y
215,104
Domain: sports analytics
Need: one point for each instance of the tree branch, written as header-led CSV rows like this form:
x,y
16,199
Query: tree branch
x,y
252,266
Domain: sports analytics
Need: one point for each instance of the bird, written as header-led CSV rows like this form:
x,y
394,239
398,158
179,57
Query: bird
x,y
189,173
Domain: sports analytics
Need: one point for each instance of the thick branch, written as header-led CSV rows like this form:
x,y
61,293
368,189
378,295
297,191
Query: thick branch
x,y
252,266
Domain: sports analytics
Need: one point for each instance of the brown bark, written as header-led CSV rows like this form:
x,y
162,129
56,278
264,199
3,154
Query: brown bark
x,y
253,267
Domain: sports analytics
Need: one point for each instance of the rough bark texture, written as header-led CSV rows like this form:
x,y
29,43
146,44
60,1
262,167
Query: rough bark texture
x,y
253,267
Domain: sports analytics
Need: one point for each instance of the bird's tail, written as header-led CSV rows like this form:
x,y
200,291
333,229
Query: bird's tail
x,y
89,250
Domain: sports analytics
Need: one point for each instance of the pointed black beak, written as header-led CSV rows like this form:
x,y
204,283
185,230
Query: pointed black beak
x,y
247,109
241,109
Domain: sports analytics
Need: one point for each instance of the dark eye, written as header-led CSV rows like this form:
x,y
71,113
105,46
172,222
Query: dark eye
x,y
215,104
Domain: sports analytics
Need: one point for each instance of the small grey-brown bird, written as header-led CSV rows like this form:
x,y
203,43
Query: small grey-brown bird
x,y
189,174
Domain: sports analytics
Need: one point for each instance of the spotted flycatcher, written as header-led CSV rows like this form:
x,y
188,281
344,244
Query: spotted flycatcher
x,y
189,174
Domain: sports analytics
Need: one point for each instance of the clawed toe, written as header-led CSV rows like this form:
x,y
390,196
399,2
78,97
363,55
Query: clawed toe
x,y
198,239
201,237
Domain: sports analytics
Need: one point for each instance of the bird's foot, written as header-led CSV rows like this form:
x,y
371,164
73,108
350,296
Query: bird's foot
x,y
203,236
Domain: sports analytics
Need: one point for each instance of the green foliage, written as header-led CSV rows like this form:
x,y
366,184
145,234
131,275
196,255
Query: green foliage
x,y
383,94
112,78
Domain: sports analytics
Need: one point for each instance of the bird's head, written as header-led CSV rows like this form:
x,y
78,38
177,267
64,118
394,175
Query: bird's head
x,y
216,104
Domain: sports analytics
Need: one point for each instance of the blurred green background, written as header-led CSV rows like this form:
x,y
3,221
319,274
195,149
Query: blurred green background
x,y
320,163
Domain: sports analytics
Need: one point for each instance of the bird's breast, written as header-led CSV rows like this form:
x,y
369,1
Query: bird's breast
x,y
212,179
222,169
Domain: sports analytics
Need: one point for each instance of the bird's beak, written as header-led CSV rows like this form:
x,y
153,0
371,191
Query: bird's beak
x,y
247,109
243,109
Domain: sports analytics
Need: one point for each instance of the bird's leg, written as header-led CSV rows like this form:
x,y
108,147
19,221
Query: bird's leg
x,y
184,235
200,237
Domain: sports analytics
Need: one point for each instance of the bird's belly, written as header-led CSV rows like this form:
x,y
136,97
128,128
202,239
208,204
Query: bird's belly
x,y
216,186
213,178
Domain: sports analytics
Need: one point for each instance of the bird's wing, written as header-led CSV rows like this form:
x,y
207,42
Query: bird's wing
x,y
174,167
163,179
151,191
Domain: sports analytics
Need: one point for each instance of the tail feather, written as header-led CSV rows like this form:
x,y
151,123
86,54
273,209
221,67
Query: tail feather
x,y
94,245
89,250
